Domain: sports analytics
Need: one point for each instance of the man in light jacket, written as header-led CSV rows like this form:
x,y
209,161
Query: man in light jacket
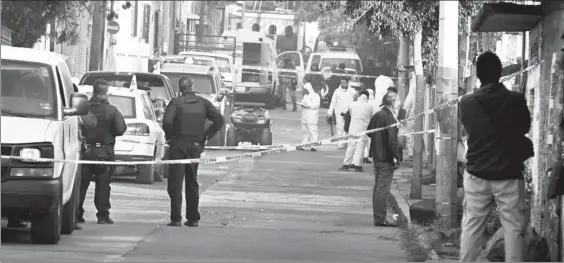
x,y
341,101
310,113
361,111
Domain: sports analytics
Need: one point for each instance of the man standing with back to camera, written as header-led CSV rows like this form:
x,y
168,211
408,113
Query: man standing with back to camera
x,y
184,123
100,141
496,120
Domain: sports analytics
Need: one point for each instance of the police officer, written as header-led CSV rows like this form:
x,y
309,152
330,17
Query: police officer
x,y
184,124
100,141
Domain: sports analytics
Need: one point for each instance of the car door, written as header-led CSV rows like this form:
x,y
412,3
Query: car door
x,y
71,143
151,120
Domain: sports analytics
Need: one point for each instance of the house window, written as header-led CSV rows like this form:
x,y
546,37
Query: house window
x,y
146,22
256,27
289,31
239,25
134,15
157,30
272,30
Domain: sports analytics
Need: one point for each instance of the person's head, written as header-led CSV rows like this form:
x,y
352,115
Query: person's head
x,y
342,66
185,84
393,89
156,53
344,82
333,67
370,63
314,67
100,88
287,60
308,89
307,78
488,68
360,93
390,99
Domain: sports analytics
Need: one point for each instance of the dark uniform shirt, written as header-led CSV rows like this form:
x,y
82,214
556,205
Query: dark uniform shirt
x,y
384,145
185,118
110,123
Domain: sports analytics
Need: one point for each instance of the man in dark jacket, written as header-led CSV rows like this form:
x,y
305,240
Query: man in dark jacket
x,y
100,141
384,150
184,124
496,121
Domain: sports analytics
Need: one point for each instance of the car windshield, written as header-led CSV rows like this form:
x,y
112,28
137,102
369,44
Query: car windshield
x,y
352,75
349,63
28,90
202,83
221,62
153,84
125,105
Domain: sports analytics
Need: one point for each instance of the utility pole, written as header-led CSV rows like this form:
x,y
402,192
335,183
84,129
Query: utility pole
x,y
202,23
418,145
96,41
447,90
403,60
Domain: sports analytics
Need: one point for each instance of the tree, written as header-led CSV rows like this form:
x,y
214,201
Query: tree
x,y
29,20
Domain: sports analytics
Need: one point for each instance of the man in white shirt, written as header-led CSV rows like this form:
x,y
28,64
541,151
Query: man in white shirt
x,y
310,113
361,111
341,101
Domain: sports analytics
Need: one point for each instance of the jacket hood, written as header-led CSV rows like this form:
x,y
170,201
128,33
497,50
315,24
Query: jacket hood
x,y
492,94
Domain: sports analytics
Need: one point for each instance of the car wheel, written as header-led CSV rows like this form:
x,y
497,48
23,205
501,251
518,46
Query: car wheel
x,y
145,174
232,139
46,227
266,137
71,207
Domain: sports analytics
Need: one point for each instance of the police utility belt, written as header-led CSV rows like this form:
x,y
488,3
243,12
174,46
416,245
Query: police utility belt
x,y
98,145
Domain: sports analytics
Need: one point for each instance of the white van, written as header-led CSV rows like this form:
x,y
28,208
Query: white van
x,y
40,109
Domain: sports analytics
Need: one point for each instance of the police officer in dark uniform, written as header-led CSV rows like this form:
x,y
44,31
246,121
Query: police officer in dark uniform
x,y
100,141
184,123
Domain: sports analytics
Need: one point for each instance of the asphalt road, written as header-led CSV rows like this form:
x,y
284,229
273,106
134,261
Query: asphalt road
x,y
291,207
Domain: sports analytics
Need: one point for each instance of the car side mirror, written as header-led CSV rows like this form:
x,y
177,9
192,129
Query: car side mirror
x,y
79,105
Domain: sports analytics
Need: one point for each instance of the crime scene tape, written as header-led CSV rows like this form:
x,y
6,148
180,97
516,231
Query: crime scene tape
x,y
309,72
294,147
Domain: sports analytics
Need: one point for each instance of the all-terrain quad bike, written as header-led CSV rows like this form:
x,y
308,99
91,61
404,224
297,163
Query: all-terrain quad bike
x,y
249,123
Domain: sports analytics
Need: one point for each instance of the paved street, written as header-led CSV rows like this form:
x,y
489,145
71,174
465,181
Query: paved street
x,y
292,207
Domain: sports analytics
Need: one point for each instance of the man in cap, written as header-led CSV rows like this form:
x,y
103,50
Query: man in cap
x,y
100,141
184,123
341,101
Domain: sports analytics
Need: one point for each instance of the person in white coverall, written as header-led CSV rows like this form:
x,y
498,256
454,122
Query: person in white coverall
x,y
361,111
381,85
310,113
376,107
341,101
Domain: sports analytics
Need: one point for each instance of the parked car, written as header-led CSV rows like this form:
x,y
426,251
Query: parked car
x,y
144,139
40,109
157,86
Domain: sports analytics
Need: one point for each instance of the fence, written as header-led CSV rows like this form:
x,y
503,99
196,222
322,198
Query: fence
x,y
6,36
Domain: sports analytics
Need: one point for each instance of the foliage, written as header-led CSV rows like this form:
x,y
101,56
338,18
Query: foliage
x,y
29,19
413,243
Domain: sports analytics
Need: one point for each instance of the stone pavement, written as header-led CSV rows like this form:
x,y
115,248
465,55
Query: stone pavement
x,y
291,207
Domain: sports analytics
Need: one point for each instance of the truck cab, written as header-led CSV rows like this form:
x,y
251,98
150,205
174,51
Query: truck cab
x,y
40,120
207,83
255,54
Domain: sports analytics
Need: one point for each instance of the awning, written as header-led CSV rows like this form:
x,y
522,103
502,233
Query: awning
x,y
507,17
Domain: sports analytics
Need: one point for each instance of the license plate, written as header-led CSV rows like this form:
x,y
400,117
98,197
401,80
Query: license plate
x,y
241,89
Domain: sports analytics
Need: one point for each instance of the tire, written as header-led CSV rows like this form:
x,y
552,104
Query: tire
x,y
46,227
231,135
266,137
70,209
145,174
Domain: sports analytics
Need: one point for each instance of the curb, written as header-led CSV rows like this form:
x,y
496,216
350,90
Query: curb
x,y
403,219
